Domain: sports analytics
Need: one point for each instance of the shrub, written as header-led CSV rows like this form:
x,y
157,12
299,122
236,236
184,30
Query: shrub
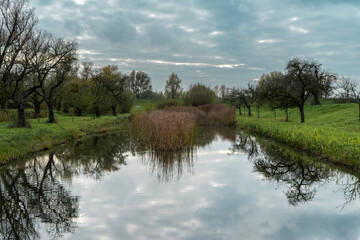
x,y
168,103
127,101
199,94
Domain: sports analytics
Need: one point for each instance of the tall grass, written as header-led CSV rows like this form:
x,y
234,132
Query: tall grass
x,y
210,114
165,130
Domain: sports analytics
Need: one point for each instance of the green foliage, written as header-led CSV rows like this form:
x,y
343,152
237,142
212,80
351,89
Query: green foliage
x,y
169,103
79,97
199,94
142,83
172,86
127,101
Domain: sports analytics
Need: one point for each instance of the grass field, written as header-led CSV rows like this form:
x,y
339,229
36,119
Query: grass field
x,y
330,130
17,142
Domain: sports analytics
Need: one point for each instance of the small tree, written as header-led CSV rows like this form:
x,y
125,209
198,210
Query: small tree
x,y
172,86
199,94
142,84
268,87
115,84
235,98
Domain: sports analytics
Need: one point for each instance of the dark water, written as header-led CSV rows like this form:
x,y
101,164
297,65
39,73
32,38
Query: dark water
x,y
229,186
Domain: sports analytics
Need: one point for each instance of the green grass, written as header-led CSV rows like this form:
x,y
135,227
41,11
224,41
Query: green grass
x,y
330,130
18,142
145,104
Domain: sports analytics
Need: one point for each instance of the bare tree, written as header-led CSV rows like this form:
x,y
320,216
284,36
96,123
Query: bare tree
x,y
248,96
55,70
17,31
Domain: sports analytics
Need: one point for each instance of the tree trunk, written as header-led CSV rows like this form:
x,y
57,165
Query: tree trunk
x,y
78,112
113,108
249,111
51,113
258,112
287,114
316,98
240,110
302,113
58,106
97,112
37,106
21,122
275,114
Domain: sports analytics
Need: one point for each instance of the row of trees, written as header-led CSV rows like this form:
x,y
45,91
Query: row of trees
x,y
37,68
303,78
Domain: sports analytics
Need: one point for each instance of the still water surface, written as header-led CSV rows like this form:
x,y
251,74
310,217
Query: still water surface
x,y
229,186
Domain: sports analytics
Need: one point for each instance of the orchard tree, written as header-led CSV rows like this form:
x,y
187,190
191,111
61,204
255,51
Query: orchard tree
x,y
236,99
248,96
268,89
302,79
172,87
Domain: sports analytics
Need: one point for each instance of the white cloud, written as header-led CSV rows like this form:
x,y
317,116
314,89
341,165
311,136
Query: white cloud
x,y
266,41
299,29
187,29
216,33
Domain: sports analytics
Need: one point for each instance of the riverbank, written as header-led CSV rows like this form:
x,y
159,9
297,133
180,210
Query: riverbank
x,y
330,130
19,142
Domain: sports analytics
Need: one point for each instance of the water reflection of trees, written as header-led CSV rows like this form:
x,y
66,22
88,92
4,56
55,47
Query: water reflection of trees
x,y
32,193
93,156
300,173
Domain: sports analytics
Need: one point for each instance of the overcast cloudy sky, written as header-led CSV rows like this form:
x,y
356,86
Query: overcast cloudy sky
x,y
209,41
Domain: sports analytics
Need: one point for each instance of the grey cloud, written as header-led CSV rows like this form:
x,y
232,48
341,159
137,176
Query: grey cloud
x,y
325,30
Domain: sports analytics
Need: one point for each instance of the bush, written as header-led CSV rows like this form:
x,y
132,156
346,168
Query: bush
x,y
199,94
168,103
127,101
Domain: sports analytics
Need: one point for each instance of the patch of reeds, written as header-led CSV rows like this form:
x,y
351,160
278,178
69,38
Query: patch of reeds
x,y
210,114
165,130
219,114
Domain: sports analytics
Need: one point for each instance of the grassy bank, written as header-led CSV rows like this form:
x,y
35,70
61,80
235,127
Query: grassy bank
x,y
330,130
18,142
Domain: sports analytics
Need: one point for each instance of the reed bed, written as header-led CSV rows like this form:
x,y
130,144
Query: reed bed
x,y
210,114
219,114
165,130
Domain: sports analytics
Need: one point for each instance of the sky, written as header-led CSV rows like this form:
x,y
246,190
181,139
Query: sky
x,y
213,42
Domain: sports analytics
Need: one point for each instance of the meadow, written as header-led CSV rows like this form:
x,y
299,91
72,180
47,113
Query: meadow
x,y
331,130
18,142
